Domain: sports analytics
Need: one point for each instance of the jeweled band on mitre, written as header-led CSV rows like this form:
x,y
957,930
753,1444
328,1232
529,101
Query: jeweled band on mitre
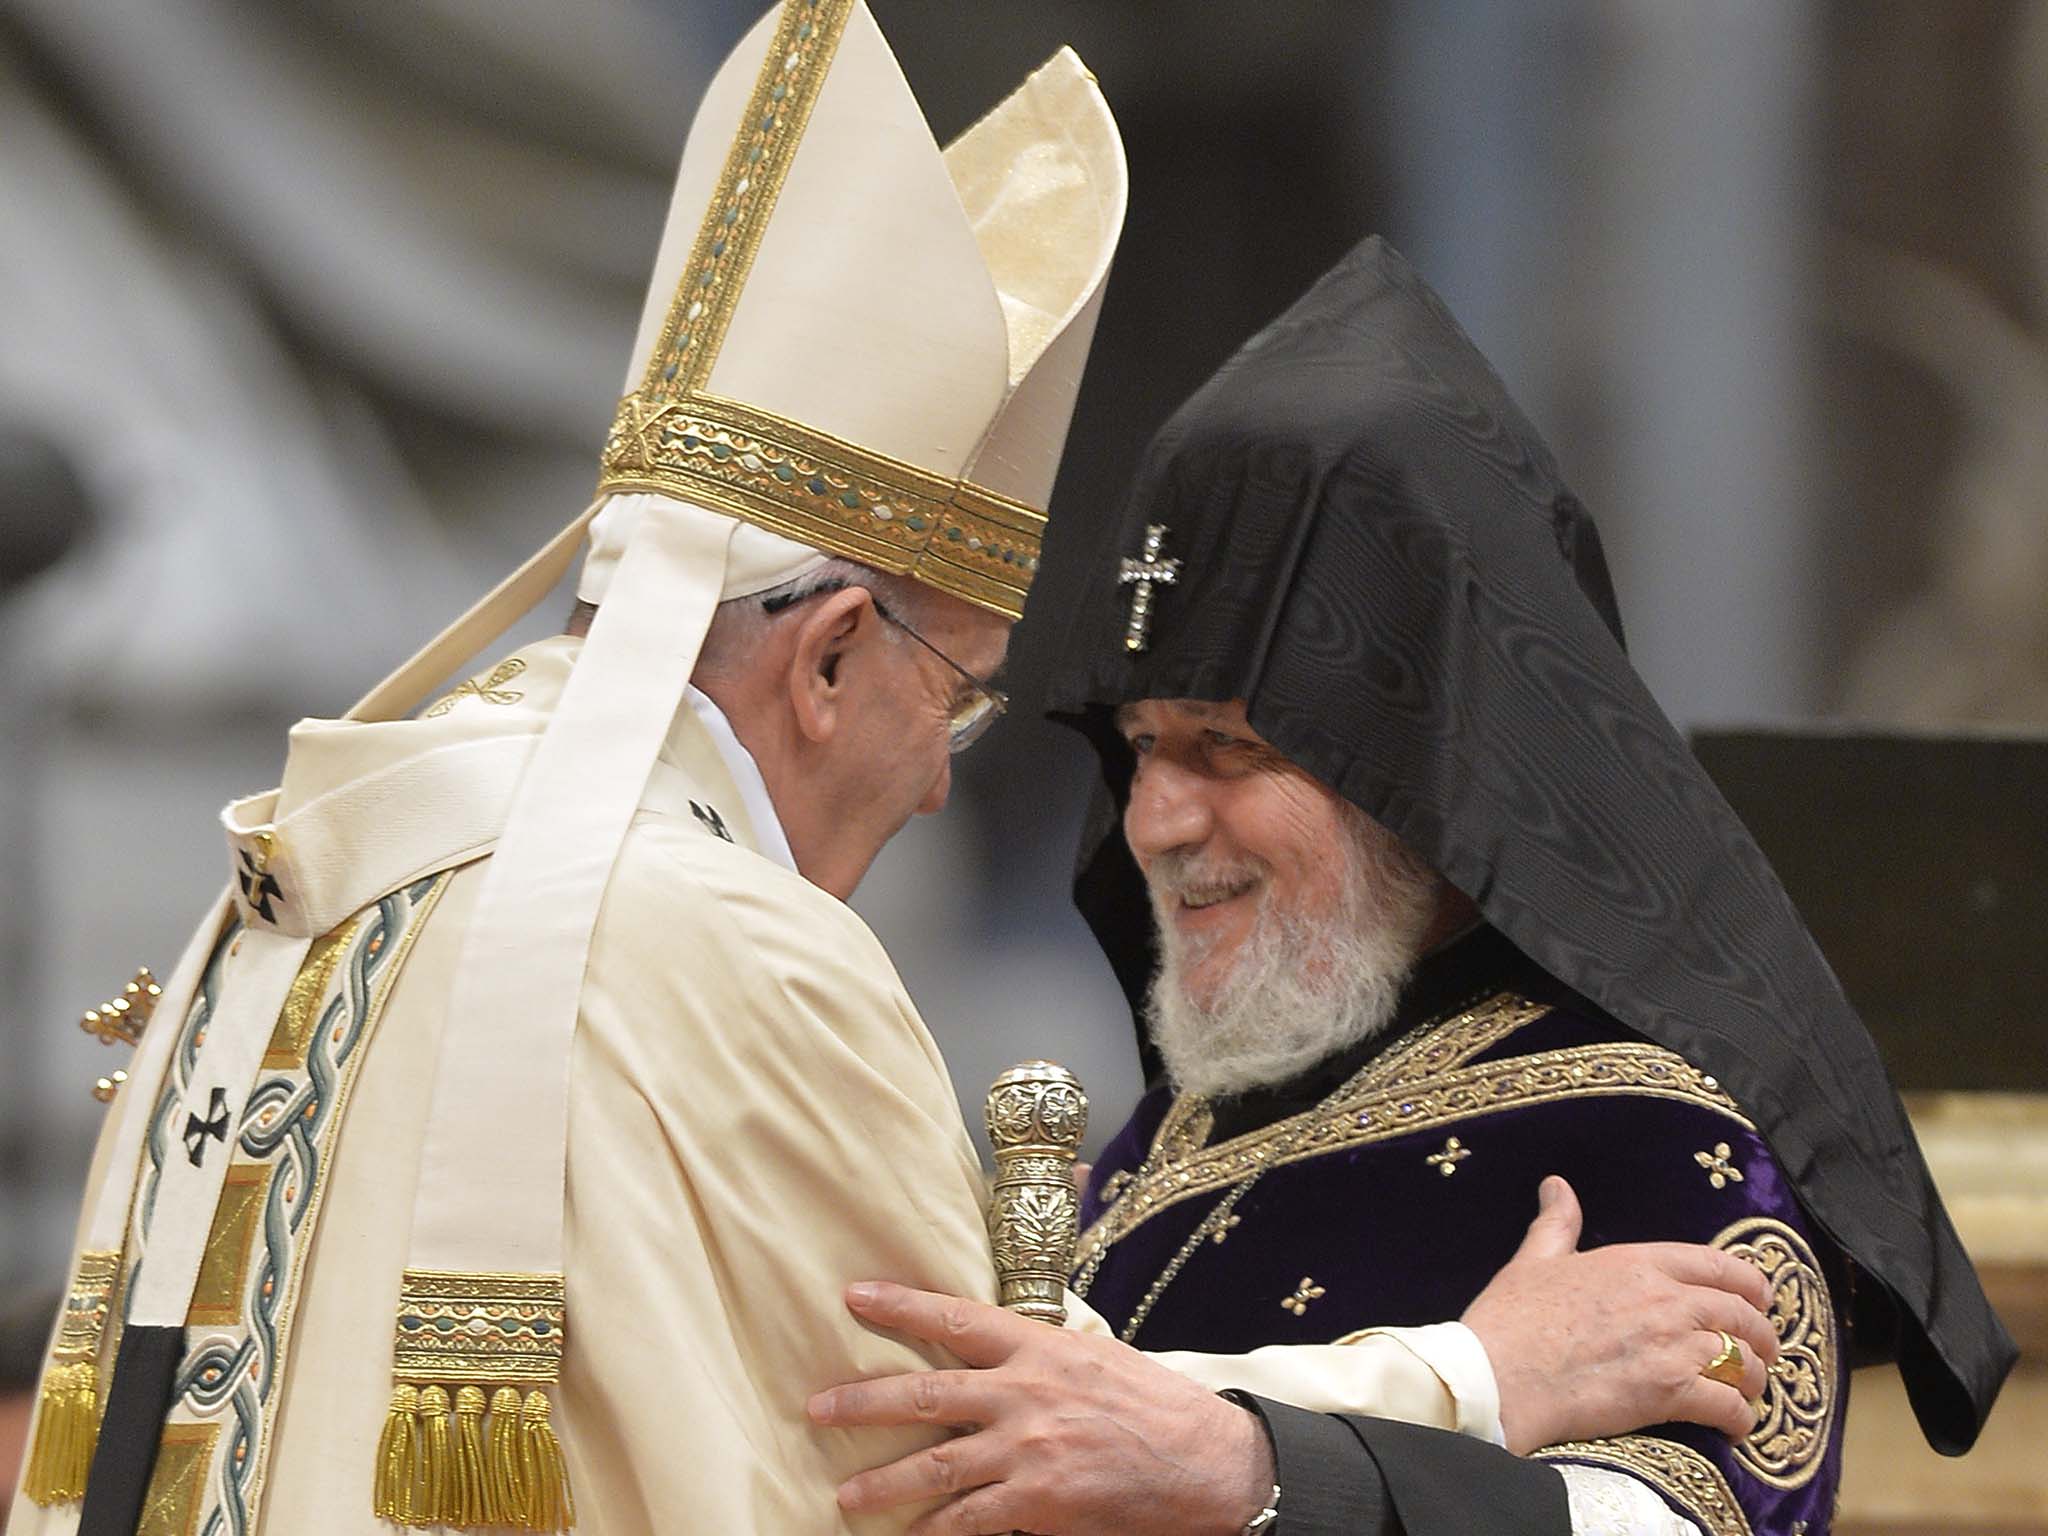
x,y
809,486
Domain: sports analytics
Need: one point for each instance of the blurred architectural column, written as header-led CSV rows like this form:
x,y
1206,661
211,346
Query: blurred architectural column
x,y
1937,364
1612,196
1480,111
1700,240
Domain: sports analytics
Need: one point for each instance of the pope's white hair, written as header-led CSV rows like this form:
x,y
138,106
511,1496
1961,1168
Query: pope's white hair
x,y
1302,987
741,623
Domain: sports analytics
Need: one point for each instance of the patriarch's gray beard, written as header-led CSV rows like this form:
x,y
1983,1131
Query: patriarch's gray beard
x,y
1300,989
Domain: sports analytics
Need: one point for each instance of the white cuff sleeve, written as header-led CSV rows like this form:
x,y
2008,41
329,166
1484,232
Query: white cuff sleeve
x,y
1453,1352
1437,1376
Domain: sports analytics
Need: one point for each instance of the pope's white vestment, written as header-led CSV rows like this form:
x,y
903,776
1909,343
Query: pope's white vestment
x,y
757,1116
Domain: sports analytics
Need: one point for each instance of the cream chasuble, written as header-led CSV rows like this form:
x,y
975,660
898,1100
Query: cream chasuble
x,y
757,1116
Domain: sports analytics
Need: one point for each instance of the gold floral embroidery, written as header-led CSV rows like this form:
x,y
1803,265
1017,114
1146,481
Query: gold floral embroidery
x,y
1446,1162
1426,1083
1186,1127
1677,1471
1304,1293
1452,1042
1720,1171
1792,1431
770,130
490,690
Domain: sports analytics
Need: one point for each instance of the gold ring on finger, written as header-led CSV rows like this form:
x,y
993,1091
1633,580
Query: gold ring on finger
x,y
1726,1367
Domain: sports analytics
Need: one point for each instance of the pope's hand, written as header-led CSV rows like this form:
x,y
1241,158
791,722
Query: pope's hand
x,y
1068,1434
1586,1345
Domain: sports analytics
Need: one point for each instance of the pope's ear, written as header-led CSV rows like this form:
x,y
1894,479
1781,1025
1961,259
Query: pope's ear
x,y
818,682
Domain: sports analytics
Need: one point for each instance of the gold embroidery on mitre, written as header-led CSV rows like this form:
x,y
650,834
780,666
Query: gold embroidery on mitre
x,y
440,1460
68,1409
757,164
1677,1471
672,436
1800,1392
821,490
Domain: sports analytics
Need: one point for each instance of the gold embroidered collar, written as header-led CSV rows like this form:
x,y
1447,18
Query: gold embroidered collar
x,y
1427,1079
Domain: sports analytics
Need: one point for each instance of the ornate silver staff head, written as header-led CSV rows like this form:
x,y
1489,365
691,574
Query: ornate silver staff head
x,y
1036,1115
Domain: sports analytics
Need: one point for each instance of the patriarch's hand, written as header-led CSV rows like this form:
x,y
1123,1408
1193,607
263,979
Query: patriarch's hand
x,y
1600,1342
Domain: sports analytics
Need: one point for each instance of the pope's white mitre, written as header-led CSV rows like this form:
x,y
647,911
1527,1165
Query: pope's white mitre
x,y
855,341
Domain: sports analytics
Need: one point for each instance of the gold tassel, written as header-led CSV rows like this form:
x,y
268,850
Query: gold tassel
x,y
507,1485
433,1508
473,1505
67,1429
548,1504
395,1494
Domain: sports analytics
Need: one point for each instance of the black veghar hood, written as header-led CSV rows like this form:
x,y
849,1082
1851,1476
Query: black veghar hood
x,y
1379,557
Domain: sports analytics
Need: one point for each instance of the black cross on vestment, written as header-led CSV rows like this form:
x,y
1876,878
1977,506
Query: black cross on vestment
x,y
216,1126
713,822
259,887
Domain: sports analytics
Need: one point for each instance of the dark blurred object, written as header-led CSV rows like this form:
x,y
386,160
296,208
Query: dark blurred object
x,y
43,507
26,1318
1920,862
25,1322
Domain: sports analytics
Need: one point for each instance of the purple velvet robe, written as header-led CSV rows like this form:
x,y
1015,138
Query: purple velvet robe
x,y
1393,1199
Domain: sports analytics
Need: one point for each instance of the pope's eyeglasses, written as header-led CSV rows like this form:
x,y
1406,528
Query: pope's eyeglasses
x,y
973,712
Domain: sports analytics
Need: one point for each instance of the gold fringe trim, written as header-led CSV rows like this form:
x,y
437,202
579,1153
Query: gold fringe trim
x,y
506,1490
434,1454
473,1504
67,1425
468,1469
548,1505
396,1494
67,1429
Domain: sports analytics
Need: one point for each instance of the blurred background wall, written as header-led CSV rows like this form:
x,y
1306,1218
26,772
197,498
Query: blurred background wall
x,y
312,319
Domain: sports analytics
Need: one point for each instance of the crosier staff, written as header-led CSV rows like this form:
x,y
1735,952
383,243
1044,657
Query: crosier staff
x,y
1036,1115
